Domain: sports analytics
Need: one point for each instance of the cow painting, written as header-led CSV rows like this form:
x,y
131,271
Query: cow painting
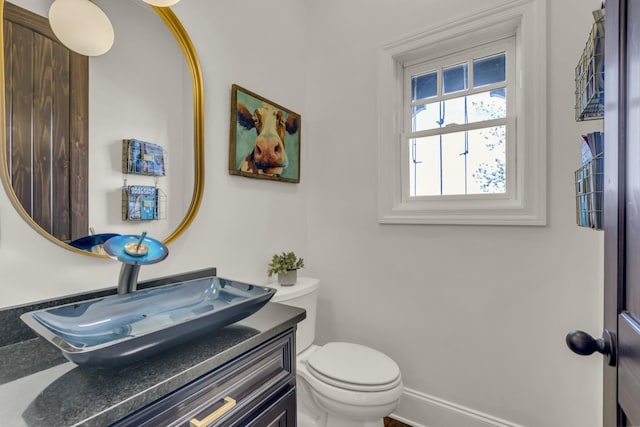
x,y
265,138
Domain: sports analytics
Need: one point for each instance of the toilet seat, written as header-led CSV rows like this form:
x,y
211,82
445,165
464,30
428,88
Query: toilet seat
x,y
353,367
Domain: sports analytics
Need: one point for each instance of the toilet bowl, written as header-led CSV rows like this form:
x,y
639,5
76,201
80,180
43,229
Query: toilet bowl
x,y
338,384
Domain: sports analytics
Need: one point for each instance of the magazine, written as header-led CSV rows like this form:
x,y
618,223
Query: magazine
x,y
142,158
140,203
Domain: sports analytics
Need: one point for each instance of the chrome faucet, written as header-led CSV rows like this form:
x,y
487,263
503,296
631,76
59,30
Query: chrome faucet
x,y
128,278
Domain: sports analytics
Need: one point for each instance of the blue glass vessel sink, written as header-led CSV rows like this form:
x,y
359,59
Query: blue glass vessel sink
x,y
120,329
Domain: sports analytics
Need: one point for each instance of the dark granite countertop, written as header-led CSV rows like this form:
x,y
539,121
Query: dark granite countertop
x,y
38,387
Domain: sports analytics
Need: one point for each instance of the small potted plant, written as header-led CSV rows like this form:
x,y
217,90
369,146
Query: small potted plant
x,y
286,266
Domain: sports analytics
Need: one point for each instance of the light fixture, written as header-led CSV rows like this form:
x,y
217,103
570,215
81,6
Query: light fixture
x,y
81,26
162,3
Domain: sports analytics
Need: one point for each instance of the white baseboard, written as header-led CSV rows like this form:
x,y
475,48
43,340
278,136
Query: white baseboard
x,y
421,410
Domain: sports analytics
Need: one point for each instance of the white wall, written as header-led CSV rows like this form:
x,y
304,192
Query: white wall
x,y
475,316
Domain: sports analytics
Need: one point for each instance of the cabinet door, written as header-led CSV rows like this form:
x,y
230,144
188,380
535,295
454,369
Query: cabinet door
x,y
281,414
238,390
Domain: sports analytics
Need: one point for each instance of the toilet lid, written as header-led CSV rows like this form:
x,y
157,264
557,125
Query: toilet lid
x,y
354,367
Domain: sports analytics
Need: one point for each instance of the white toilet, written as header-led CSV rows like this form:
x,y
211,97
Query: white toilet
x,y
339,384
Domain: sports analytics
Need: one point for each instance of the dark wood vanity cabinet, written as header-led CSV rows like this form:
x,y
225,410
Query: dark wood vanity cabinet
x,y
256,388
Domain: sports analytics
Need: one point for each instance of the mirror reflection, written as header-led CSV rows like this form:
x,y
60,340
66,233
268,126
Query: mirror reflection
x,y
69,170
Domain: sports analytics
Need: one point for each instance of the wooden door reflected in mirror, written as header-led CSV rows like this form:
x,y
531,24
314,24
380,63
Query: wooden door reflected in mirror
x,y
46,113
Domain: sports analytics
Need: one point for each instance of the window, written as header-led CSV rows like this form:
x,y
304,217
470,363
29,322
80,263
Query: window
x,y
462,126
456,116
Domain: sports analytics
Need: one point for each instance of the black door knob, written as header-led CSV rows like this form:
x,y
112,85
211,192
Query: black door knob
x,y
584,344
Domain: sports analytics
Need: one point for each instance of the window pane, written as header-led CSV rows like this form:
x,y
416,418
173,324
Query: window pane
x,y
489,70
424,166
455,79
487,106
462,110
424,86
436,114
470,162
486,160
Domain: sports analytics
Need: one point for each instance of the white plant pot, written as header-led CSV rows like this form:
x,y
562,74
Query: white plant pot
x,y
288,279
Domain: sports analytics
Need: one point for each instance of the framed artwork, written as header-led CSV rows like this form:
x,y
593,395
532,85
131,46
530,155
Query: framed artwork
x,y
265,138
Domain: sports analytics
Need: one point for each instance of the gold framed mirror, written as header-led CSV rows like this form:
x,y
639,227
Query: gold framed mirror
x,y
193,69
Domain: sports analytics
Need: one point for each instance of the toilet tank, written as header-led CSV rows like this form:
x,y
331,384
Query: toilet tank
x,y
303,294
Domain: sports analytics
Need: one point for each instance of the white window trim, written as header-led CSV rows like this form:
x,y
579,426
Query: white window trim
x,y
527,204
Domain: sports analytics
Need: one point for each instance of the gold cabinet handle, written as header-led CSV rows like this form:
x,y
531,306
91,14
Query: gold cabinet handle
x,y
228,404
